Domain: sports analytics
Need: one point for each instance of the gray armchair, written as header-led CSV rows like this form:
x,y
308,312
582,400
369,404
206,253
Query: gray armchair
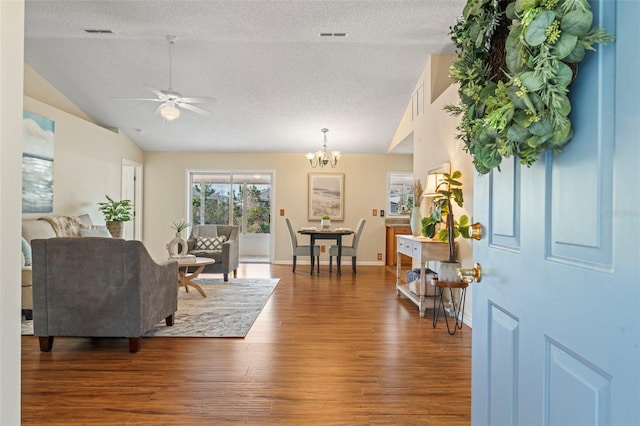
x,y
227,256
99,287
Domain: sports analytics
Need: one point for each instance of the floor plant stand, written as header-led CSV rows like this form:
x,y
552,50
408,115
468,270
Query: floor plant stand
x,y
457,308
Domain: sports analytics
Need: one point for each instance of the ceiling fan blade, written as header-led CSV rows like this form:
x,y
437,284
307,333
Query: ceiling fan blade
x,y
193,108
162,97
138,99
198,100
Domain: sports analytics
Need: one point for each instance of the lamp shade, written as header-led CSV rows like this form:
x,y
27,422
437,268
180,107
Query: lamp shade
x,y
169,112
431,188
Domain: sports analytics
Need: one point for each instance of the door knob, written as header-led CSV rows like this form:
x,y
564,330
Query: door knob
x,y
471,274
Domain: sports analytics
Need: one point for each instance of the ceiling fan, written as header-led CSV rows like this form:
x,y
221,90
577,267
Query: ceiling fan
x,y
173,101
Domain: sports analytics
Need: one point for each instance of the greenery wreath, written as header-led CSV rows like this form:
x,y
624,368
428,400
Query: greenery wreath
x,y
515,62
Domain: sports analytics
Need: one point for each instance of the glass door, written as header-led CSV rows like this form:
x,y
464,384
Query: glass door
x,y
239,198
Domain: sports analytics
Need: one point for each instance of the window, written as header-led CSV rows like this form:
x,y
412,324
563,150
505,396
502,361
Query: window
x,y
400,193
223,198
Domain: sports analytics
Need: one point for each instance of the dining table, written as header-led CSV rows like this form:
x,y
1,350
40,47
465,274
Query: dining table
x,y
325,234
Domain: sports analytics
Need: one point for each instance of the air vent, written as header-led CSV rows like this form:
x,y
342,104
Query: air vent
x,y
95,31
333,34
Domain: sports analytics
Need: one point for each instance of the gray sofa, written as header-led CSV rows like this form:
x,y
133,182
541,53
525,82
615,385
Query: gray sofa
x,y
46,227
226,257
99,287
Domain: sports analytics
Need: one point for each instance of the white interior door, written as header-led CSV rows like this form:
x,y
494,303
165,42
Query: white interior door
x,y
556,317
131,189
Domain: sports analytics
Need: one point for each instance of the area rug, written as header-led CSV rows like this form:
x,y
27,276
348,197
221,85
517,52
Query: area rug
x,y
229,310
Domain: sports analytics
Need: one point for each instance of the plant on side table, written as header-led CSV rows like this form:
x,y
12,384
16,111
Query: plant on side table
x,y
115,213
449,191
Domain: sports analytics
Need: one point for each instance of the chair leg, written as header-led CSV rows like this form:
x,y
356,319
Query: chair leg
x,y
318,264
330,263
235,273
134,344
169,320
294,263
46,343
226,277
353,263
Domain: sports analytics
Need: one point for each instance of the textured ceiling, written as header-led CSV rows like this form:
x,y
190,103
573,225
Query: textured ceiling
x,y
275,81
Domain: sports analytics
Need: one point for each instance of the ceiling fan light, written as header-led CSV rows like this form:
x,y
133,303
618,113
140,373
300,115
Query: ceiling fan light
x,y
169,112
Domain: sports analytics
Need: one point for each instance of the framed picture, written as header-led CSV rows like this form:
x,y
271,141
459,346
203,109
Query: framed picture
x,y
37,164
326,195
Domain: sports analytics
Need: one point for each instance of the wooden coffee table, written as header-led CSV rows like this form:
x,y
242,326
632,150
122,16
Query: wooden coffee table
x,y
185,278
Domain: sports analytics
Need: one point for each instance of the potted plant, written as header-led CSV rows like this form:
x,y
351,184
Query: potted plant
x,y
325,222
115,213
441,212
449,191
179,226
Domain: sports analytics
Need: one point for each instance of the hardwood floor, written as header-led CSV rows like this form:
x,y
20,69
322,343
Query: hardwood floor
x,y
326,350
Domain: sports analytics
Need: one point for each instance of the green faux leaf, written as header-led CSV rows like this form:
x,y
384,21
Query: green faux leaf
x,y
523,5
512,57
464,220
534,141
561,136
544,127
565,45
517,133
517,100
576,55
510,11
535,34
457,174
531,81
564,74
577,22
564,105
443,236
521,118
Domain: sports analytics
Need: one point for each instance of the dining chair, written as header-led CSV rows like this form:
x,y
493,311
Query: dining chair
x,y
351,250
301,250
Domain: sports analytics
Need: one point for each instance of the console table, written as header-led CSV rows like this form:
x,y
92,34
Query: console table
x,y
422,250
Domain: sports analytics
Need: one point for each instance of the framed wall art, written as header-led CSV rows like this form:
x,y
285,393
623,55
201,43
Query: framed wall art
x,y
326,196
37,164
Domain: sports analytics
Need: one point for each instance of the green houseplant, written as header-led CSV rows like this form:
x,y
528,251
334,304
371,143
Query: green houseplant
x,y
115,213
449,191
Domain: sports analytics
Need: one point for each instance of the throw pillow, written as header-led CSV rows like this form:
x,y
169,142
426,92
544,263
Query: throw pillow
x,y
26,251
205,243
95,232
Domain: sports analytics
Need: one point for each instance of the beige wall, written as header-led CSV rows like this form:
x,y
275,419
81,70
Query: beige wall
x,y
365,190
87,161
11,57
434,143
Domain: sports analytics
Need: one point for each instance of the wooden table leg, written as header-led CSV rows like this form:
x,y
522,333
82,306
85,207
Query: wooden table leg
x,y
185,279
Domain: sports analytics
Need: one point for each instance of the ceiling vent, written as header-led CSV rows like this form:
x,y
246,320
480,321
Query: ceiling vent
x,y
333,34
96,31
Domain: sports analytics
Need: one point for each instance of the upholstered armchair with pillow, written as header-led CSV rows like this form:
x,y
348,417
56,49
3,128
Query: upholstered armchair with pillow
x,y
99,287
218,242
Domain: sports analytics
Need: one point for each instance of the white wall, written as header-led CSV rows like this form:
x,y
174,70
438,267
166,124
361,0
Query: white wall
x,y
434,143
87,161
365,190
11,57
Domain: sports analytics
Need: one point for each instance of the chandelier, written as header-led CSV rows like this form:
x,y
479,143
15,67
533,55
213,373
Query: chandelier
x,y
322,158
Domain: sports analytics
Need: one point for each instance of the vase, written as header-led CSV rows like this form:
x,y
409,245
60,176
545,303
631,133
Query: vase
x,y
325,223
448,271
115,228
416,222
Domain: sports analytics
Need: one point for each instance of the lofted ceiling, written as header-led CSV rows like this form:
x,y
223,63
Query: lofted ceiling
x,y
276,81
